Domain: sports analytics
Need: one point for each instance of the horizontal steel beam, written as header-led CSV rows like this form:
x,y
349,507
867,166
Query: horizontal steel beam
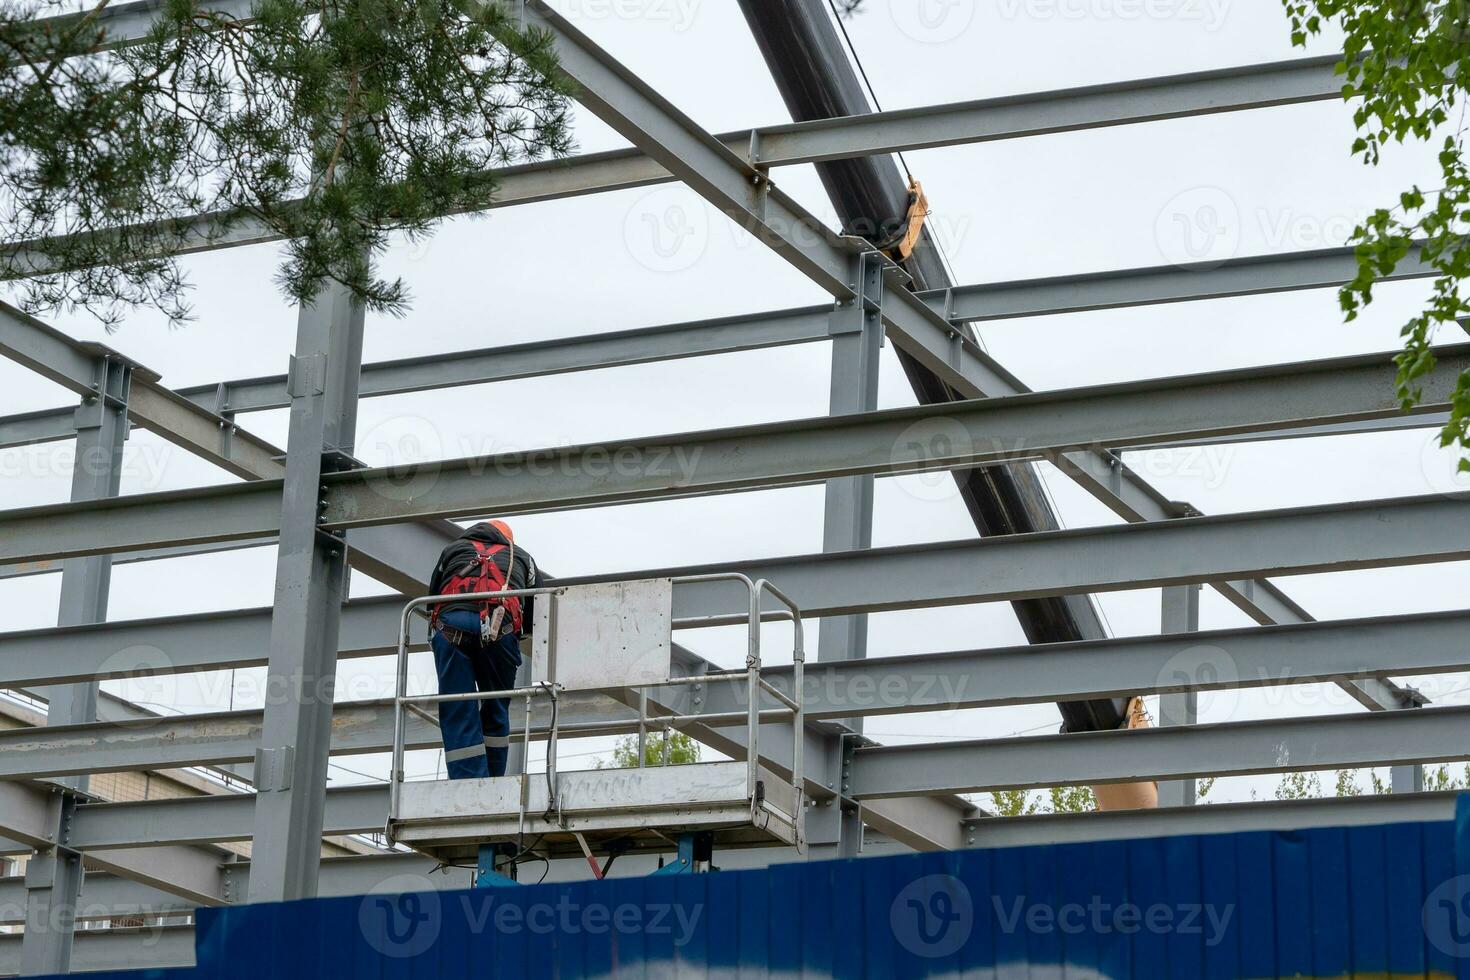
x,y
1336,537
1181,752
1290,82
549,357
1226,659
178,741
105,896
456,368
97,950
1248,276
1252,657
1431,420
1217,818
1327,538
49,566
214,819
32,428
978,432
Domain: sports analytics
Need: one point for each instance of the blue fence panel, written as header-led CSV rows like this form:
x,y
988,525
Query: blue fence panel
x,y
1365,901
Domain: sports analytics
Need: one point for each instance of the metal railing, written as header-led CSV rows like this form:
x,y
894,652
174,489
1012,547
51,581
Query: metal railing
x,y
790,706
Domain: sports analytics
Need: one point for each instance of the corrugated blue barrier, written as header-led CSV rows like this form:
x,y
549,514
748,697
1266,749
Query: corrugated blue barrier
x,y
1360,901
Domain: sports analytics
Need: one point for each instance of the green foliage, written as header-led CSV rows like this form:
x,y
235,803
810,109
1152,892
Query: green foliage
x,y
681,750
1439,779
331,124
1405,62
1057,799
1308,785
1299,786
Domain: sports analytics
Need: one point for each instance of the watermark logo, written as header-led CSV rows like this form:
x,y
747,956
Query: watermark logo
x,y
1200,226
1209,14
1099,917
1197,666
406,448
1446,917
667,230
401,917
149,676
679,14
1441,467
933,916
932,21
930,443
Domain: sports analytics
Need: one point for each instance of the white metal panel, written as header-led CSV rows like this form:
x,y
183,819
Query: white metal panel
x,y
605,636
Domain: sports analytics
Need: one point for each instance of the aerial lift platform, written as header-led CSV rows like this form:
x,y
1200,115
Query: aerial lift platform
x,y
615,640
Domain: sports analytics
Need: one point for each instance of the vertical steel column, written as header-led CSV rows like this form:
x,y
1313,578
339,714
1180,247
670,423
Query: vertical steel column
x,y
1180,615
54,876
311,584
857,337
835,827
1407,779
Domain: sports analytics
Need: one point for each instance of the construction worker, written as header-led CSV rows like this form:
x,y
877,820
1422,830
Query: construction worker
x,y
476,644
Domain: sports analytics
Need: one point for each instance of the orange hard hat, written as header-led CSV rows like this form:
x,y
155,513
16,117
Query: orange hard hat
x,y
504,529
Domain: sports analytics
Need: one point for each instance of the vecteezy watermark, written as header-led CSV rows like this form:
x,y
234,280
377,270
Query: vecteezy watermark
x,y
404,916
678,13
401,445
143,464
1441,466
1205,226
410,452
401,917
926,446
1200,666
1200,226
1100,917
926,450
1209,14
933,916
1446,917
667,230
856,690
932,21
145,925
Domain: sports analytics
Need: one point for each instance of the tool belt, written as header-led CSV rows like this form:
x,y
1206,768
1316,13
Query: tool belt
x,y
461,637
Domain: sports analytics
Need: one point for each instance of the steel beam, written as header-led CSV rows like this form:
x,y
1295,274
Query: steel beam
x,y
834,827
1326,538
1339,537
1217,818
215,819
106,896
115,949
1290,82
531,360
1179,614
994,430
1248,276
54,873
31,428
549,357
311,585
1231,749
1019,427
1229,659
1253,657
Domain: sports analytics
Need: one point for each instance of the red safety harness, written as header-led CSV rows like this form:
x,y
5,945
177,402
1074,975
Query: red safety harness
x,y
481,573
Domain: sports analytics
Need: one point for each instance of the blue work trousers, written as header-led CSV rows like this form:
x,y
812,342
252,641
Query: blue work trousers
x,y
476,733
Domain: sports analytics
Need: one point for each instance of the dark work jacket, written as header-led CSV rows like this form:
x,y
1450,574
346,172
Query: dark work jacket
x,y
460,550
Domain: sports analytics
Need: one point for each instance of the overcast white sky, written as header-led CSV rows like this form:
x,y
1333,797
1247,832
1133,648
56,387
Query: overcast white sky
x,y
1273,180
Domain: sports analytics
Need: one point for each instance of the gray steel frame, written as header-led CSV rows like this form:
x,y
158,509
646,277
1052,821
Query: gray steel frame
x,y
162,849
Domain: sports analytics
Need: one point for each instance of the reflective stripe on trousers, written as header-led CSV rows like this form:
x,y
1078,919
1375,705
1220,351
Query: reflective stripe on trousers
x,y
476,734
